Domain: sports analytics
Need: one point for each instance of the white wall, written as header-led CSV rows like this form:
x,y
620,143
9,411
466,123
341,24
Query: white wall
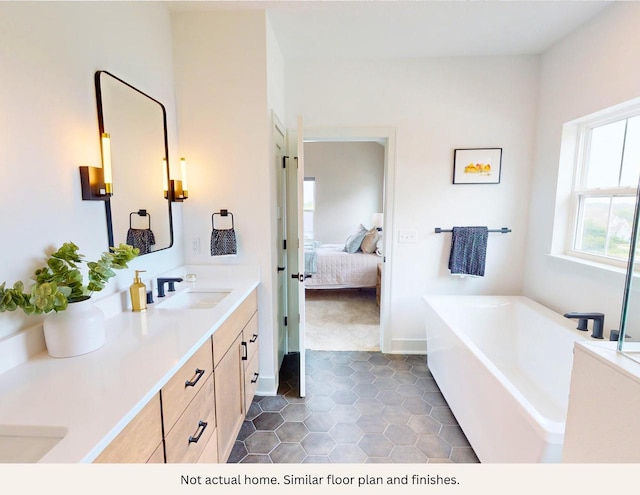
x,y
49,52
592,69
436,105
349,179
224,121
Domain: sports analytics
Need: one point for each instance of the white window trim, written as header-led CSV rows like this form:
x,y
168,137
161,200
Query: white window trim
x,y
573,150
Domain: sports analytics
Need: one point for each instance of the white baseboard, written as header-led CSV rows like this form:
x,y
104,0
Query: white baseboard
x,y
409,346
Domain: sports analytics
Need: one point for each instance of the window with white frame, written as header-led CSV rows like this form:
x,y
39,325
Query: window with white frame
x,y
608,168
309,205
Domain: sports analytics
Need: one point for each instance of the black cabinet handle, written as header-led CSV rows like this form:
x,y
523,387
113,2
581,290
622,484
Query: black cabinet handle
x,y
254,338
203,425
255,377
199,374
245,355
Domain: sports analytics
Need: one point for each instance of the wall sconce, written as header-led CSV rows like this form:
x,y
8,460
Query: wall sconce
x,y
97,183
179,188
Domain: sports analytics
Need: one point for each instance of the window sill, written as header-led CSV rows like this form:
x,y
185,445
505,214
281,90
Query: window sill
x,y
589,264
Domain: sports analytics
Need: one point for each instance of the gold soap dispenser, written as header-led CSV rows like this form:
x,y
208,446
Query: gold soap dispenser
x,y
138,292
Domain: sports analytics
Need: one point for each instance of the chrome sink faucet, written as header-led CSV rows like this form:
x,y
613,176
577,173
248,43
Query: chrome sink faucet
x,y
170,282
583,318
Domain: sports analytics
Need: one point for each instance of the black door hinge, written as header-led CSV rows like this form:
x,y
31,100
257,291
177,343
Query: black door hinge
x,y
285,321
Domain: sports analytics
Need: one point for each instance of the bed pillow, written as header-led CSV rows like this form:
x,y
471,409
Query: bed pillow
x,y
379,246
369,241
354,240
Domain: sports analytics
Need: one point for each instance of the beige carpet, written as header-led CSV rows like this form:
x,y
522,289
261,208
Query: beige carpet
x,y
342,320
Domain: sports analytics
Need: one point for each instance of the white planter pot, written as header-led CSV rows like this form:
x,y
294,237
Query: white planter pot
x,y
77,330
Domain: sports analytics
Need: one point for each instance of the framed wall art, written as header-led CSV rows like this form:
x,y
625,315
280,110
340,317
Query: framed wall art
x,y
477,165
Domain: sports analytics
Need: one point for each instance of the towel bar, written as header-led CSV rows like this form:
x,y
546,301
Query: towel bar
x,y
503,230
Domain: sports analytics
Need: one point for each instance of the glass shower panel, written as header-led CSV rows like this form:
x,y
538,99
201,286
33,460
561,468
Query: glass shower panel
x,y
629,337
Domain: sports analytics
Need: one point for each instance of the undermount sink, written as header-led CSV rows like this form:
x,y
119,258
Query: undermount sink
x,y
195,299
27,444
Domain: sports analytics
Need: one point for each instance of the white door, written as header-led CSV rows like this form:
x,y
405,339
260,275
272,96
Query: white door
x,y
295,252
300,247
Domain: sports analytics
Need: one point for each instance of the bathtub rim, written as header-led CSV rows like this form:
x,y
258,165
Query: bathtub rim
x,y
551,430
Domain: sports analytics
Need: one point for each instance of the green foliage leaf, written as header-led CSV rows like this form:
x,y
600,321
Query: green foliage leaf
x,y
60,281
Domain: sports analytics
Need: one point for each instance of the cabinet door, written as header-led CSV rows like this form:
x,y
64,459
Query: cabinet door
x,y
229,394
139,439
251,375
250,336
232,326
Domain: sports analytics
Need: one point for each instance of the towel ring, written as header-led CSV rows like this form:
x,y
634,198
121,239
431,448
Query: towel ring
x,y
222,213
142,213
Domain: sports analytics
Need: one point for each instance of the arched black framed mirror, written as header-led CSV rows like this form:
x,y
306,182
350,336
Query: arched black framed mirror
x,y
137,126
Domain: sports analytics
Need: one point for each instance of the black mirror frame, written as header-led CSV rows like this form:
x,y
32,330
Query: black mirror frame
x,y
101,130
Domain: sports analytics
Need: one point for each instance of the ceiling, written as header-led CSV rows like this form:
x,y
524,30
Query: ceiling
x,y
419,28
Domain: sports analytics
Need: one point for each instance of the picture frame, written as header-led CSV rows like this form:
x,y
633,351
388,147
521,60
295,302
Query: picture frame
x,y
477,165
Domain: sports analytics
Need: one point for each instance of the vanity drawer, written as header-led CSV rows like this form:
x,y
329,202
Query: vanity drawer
x,y
250,338
189,437
158,456
185,384
210,452
226,334
138,441
251,374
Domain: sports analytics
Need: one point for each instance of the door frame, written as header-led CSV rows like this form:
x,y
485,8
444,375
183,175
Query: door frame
x,y
281,206
387,137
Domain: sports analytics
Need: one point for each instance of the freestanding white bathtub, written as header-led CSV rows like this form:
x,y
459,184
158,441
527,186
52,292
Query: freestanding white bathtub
x,y
503,363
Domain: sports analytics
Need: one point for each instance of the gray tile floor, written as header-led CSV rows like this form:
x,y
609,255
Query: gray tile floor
x,y
361,407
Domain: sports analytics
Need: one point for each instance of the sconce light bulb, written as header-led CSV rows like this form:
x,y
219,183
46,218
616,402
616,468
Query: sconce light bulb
x,y
106,163
165,177
183,175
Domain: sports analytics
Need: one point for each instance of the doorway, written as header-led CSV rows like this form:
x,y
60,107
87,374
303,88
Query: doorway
x,y
343,235
386,138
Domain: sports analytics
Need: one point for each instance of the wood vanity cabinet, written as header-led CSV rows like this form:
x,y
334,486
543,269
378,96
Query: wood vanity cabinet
x,y
229,348
197,415
140,441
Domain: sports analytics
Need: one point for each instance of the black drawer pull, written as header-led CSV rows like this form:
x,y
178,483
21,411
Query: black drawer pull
x,y
203,425
245,353
255,377
254,338
188,383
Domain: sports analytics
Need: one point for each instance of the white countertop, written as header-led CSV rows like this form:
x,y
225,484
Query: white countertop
x,y
627,362
95,395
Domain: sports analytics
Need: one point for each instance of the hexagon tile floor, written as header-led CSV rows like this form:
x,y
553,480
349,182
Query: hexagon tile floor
x,y
361,407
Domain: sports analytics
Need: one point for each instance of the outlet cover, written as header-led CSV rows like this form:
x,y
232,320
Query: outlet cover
x,y
195,245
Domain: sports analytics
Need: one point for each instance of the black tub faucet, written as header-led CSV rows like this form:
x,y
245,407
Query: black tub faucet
x,y
170,282
583,318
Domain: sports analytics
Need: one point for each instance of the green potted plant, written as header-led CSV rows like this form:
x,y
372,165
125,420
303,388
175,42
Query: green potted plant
x,y
73,325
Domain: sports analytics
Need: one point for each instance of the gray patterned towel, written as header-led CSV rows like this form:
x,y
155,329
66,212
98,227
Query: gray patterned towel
x,y
468,251
223,242
142,239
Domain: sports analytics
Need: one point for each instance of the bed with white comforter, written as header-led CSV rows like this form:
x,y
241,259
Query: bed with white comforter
x,y
331,267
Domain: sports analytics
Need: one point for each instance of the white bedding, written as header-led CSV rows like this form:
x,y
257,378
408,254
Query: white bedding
x,y
337,269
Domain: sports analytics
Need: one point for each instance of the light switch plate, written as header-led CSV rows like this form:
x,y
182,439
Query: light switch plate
x,y
407,236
